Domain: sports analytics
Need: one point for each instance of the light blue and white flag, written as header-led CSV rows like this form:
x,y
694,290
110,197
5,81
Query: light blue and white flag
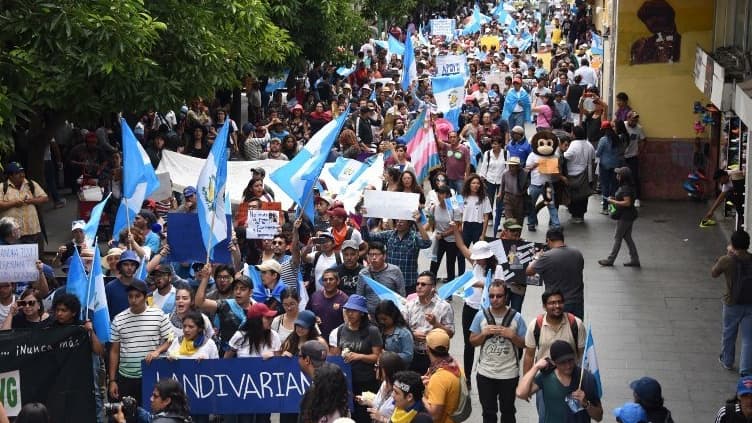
x,y
449,288
97,299
91,227
385,293
590,361
422,38
139,179
381,44
372,174
345,72
409,71
77,282
395,46
453,116
449,92
302,292
474,150
298,177
277,83
212,194
141,272
597,47
485,301
347,170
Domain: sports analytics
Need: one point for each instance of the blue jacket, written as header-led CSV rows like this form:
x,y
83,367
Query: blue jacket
x,y
521,149
513,98
609,154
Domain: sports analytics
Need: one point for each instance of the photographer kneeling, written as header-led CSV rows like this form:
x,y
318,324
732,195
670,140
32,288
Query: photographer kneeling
x,y
168,403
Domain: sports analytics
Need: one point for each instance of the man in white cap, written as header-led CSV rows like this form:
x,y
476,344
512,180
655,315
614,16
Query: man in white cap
x,y
78,242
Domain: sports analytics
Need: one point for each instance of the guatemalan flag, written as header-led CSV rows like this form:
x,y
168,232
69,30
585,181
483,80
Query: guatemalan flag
x,y
394,46
590,362
298,177
97,300
371,174
597,47
474,150
91,227
139,179
384,293
449,92
409,71
77,283
449,288
421,147
212,194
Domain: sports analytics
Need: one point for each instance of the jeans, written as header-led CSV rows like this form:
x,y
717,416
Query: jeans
x,y
468,314
456,185
471,232
634,165
497,395
516,119
452,255
608,185
736,317
535,192
578,309
515,301
624,231
491,191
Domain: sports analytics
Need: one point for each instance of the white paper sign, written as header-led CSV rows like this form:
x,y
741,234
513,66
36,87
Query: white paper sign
x,y
262,224
451,64
390,204
165,187
442,27
18,263
498,249
10,395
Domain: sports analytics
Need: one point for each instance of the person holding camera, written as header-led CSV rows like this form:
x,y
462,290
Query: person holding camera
x,y
569,392
169,404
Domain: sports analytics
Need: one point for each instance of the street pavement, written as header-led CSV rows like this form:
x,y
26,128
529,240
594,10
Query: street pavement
x,y
662,320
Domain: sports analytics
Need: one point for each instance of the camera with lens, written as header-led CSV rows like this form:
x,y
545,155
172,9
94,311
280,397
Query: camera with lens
x,y
128,404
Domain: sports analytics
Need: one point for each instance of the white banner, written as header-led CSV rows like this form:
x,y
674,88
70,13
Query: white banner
x,y
442,27
390,204
165,187
262,224
451,64
18,263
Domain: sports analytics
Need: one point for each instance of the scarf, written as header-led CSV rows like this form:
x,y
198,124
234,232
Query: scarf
x,y
448,364
406,416
187,348
339,235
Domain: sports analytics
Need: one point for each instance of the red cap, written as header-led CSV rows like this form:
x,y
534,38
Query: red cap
x,y
258,310
337,211
517,81
605,124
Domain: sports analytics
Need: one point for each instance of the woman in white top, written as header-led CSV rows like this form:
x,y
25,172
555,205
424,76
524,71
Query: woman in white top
x,y
477,210
441,217
381,405
483,261
255,337
284,324
493,164
184,304
194,341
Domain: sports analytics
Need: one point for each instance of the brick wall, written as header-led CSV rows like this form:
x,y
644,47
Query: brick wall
x,y
664,165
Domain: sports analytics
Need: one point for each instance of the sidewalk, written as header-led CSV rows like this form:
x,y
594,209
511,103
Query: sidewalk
x,y
662,320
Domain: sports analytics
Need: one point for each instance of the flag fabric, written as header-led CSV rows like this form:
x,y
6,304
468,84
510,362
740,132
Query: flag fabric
x,y
422,148
485,301
597,47
345,72
139,179
97,299
141,272
385,293
274,84
395,46
91,227
409,71
347,170
370,175
478,19
453,116
77,283
382,44
298,177
474,150
212,194
467,290
449,288
449,92
422,38
302,292
590,361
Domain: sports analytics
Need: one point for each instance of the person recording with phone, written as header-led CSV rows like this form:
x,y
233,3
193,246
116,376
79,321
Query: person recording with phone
x,y
569,392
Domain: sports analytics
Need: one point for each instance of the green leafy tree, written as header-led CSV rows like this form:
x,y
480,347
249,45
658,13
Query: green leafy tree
x,y
393,11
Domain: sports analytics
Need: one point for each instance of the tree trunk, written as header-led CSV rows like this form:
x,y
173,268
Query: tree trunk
x,y
34,142
235,108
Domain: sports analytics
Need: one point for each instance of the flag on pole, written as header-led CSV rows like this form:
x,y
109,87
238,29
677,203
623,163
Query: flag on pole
x,y
302,292
139,179
384,293
212,194
371,174
298,177
449,91
97,299
141,272
449,288
474,150
590,361
485,301
422,147
90,228
409,71
394,46
597,47
77,283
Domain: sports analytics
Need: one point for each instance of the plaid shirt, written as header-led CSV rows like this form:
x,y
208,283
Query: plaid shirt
x,y
401,252
415,315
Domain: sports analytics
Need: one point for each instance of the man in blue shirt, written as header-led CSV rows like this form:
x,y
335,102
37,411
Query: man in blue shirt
x,y
518,145
517,107
117,289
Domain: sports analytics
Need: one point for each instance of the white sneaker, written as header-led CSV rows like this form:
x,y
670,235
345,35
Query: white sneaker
x,y
637,202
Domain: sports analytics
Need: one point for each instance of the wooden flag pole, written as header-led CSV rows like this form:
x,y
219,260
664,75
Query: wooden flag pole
x,y
211,231
127,225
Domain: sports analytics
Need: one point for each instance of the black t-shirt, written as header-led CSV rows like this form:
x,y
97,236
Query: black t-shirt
x,y
227,319
630,212
348,278
361,342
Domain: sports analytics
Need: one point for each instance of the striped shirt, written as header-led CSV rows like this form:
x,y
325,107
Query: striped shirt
x,y
138,335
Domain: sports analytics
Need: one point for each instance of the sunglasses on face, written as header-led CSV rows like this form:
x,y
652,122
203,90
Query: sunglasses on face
x,y
423,284
30,303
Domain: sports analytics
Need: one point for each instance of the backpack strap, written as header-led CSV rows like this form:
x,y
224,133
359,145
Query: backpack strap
x,y
508,317
573,327
537,329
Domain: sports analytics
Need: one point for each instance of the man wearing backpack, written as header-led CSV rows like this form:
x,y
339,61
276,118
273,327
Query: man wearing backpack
x,y
545,329
736,266
444,387
740,408
499,331
20,199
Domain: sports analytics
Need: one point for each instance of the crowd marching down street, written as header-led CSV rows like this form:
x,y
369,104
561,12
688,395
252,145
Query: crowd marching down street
x,y
298,238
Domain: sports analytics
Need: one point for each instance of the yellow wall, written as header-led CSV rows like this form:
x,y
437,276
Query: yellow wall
x,y
663,93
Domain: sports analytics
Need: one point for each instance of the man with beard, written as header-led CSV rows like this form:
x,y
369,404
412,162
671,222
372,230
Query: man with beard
x,y
326,303
117,289
350,268
163,296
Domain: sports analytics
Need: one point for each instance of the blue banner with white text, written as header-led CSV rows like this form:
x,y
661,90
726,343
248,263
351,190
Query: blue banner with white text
x,y
236,386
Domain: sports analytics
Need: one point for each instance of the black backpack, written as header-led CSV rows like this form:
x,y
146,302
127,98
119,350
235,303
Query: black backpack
x,y
506,321
741,286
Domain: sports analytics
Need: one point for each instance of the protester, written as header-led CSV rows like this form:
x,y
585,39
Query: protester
x,y
284,323
169,404
513,188
26,313
740,408
117,289
579,156
381,406
329,389
185,302
255,337
477,210
394,331
444,378
625,213
327,303
194,343
440,218
383,272
647,393
20,199
349,270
